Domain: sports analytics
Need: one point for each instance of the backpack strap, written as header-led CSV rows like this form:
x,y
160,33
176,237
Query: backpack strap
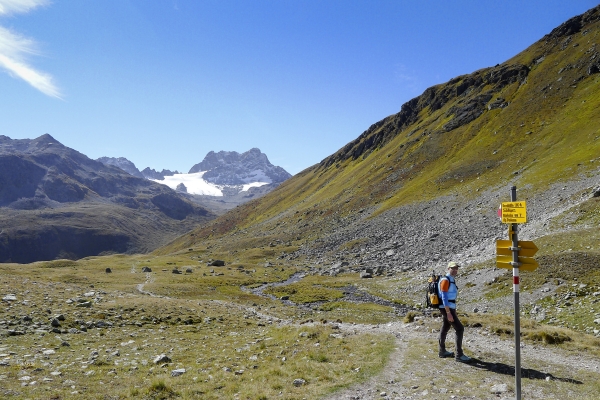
x,y
451,281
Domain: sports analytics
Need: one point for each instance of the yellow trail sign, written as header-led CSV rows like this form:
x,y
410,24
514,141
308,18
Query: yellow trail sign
x,y
514,212
527,264
527,248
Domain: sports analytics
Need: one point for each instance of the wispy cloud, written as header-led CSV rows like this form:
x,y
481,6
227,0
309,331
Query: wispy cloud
x,y
19,6
407,78
15,48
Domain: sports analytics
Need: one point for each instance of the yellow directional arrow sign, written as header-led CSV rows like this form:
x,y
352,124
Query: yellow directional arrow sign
x,y
526,248
527,264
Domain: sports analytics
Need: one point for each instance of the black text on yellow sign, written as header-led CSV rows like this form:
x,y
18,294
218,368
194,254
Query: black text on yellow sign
x,y
514,212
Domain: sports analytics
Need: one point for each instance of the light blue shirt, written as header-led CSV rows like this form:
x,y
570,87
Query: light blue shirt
x,y
451,294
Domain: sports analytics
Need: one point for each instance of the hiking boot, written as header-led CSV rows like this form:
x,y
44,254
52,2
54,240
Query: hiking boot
x,y
446,354
463,359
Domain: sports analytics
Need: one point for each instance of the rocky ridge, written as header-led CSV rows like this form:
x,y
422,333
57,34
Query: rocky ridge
x,y
473,92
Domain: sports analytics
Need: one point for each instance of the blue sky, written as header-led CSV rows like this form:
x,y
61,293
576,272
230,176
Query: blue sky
x,y
163,82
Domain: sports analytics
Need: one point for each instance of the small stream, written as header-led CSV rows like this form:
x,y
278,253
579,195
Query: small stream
x,y
297,277
259,291
351,294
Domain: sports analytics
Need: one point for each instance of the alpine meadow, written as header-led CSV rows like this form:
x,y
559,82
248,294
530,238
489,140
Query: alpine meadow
x,y
316,290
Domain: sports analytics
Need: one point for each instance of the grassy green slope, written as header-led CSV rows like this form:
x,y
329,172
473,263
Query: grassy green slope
x,y
549,131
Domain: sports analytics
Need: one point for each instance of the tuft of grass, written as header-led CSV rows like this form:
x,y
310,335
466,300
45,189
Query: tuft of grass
x,y
548,337
318,357
160,390
410,317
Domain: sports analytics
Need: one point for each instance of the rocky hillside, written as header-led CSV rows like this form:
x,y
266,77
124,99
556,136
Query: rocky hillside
x,y
423,185
57,203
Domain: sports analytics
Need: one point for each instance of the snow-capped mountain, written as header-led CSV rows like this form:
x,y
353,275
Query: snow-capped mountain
x,y
233,168
226,173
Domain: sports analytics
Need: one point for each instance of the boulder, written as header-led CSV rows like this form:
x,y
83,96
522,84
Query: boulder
x,y
499,388
9,297
161,359
340,264
367,273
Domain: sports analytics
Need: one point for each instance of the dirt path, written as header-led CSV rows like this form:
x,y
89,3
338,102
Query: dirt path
x,y
140,286
422,375
386,384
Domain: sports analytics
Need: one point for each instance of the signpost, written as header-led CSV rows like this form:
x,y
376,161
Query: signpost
x,y
515,254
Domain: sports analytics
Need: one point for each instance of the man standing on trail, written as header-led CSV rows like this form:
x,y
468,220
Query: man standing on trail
x,y
449,292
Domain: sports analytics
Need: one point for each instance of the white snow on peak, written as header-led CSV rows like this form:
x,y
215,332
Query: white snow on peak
x,y
253,184
195,184
257,176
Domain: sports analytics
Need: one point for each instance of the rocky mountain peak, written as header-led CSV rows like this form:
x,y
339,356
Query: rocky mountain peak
x,y
233,168
28,145
151,173
123,163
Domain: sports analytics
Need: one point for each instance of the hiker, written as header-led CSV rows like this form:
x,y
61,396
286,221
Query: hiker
x,y
449,292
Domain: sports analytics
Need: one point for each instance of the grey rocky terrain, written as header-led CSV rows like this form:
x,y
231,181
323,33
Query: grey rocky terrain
x,y
458,227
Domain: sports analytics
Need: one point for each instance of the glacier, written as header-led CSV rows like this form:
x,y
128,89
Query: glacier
x,y
196,184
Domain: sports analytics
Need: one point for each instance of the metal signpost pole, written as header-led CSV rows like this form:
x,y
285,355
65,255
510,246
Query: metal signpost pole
x,y
515,264
517,255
